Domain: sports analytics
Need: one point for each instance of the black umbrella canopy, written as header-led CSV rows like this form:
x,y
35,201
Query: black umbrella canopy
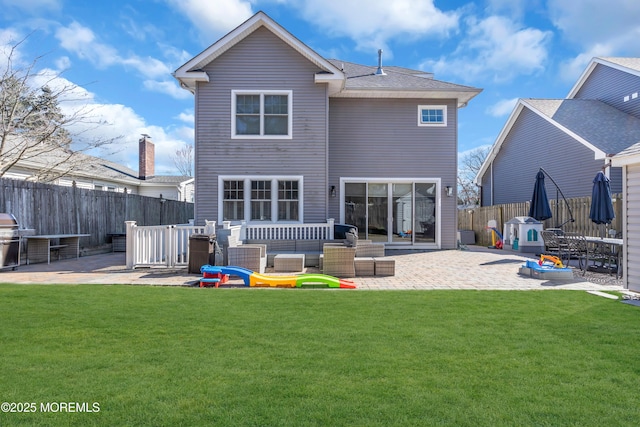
x,y
601,205
539,208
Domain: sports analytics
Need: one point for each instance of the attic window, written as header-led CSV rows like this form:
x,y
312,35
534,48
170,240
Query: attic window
x,y
261,114
432,115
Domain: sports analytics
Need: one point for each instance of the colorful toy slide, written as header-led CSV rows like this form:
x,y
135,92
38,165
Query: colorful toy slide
x,y
217,275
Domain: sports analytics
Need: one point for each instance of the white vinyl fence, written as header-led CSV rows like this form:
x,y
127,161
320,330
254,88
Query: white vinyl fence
x,y
161,245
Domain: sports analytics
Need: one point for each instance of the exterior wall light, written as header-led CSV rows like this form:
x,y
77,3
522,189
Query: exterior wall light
x,y
449,190
332,191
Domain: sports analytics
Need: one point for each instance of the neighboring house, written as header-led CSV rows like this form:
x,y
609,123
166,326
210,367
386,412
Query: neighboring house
x,y
94,173
285,135
629,161
572,138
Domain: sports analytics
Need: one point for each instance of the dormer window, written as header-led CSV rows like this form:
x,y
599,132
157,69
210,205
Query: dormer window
x,y
261,114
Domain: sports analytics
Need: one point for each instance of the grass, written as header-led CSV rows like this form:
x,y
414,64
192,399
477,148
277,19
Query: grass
x,y
245,357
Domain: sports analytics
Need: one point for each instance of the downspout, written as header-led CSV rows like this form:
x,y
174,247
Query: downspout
x,y
326,153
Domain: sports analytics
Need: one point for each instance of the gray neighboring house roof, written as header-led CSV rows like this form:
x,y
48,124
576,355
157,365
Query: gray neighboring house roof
x,y
628,65
599,126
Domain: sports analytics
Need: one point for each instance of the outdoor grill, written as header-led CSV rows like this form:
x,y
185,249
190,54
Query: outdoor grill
x,y
9,241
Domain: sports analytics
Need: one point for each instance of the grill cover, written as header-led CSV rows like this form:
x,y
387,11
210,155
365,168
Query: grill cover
x,y
9,241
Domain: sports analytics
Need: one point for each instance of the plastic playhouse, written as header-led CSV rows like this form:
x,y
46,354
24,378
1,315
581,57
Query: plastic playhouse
x,y
218,275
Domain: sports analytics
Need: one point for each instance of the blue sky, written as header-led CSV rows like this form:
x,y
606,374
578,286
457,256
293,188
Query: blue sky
x,y
121,54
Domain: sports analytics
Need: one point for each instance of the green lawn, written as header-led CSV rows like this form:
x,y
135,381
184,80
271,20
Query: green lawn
x,y
295,357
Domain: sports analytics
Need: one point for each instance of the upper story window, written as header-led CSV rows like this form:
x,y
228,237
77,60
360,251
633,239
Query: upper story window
x,y
432,115
261,114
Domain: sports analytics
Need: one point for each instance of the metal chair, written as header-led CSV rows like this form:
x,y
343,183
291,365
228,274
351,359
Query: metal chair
x,y
551,242
574,246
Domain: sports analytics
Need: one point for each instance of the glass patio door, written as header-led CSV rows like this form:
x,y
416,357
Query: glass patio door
x,y
402,212
378,212
387,212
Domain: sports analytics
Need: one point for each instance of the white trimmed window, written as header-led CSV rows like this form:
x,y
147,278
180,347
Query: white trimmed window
x,y
432,115
268,199
261,114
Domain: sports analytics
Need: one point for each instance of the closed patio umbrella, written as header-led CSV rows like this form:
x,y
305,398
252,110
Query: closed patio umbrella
x,y
539,208
601,205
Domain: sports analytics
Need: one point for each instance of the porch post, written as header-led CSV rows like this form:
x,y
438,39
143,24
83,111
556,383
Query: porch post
x,y
130,244
330,222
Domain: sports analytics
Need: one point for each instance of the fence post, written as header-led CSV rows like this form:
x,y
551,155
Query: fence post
x,y
130,244
209,227
330,222
243,231
169,247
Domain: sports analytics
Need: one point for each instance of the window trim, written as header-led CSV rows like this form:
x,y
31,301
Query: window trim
x,y
262,93
432,107
274,197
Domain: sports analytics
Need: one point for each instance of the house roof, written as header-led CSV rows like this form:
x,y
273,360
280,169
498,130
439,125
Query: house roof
x,y
601,126
362,81
191,72
88,166
345,79
628,156
598,126
628,65
607,131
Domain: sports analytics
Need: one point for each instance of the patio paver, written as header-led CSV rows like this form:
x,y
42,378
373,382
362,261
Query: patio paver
x,y
477,268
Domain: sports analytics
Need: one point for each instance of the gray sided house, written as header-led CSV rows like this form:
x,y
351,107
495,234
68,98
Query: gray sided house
x,y
285,135
572,138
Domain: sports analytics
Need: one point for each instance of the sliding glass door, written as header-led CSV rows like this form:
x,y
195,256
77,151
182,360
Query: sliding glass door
x,y
392,212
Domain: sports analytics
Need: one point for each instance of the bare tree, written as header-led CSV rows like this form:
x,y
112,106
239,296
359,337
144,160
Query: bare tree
x,y
34,133
183,159
469,166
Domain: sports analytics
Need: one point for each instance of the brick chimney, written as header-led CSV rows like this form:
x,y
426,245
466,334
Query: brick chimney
x,y
146,151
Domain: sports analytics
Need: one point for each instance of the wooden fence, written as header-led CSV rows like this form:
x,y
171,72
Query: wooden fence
x,y
53,209
476,219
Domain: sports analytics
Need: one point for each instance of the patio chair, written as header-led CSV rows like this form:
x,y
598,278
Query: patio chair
x,y
339,261
575,247
251,256
551,241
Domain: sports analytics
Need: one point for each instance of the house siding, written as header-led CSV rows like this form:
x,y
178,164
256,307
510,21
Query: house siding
x,y
261,61
533,143
610,86
380,138
632,229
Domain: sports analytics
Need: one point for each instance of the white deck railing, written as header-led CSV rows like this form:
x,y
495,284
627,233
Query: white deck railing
x,y
288,231
168,245
161,245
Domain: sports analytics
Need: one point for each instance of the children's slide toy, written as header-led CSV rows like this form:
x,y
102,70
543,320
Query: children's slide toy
x,y
217,275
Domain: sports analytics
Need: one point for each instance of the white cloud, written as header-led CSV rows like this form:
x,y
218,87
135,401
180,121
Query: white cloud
x,y
82,41
214,18
610,28
62,63
373,24
502,108
170,88
497,48
596,21
102,122
186,116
